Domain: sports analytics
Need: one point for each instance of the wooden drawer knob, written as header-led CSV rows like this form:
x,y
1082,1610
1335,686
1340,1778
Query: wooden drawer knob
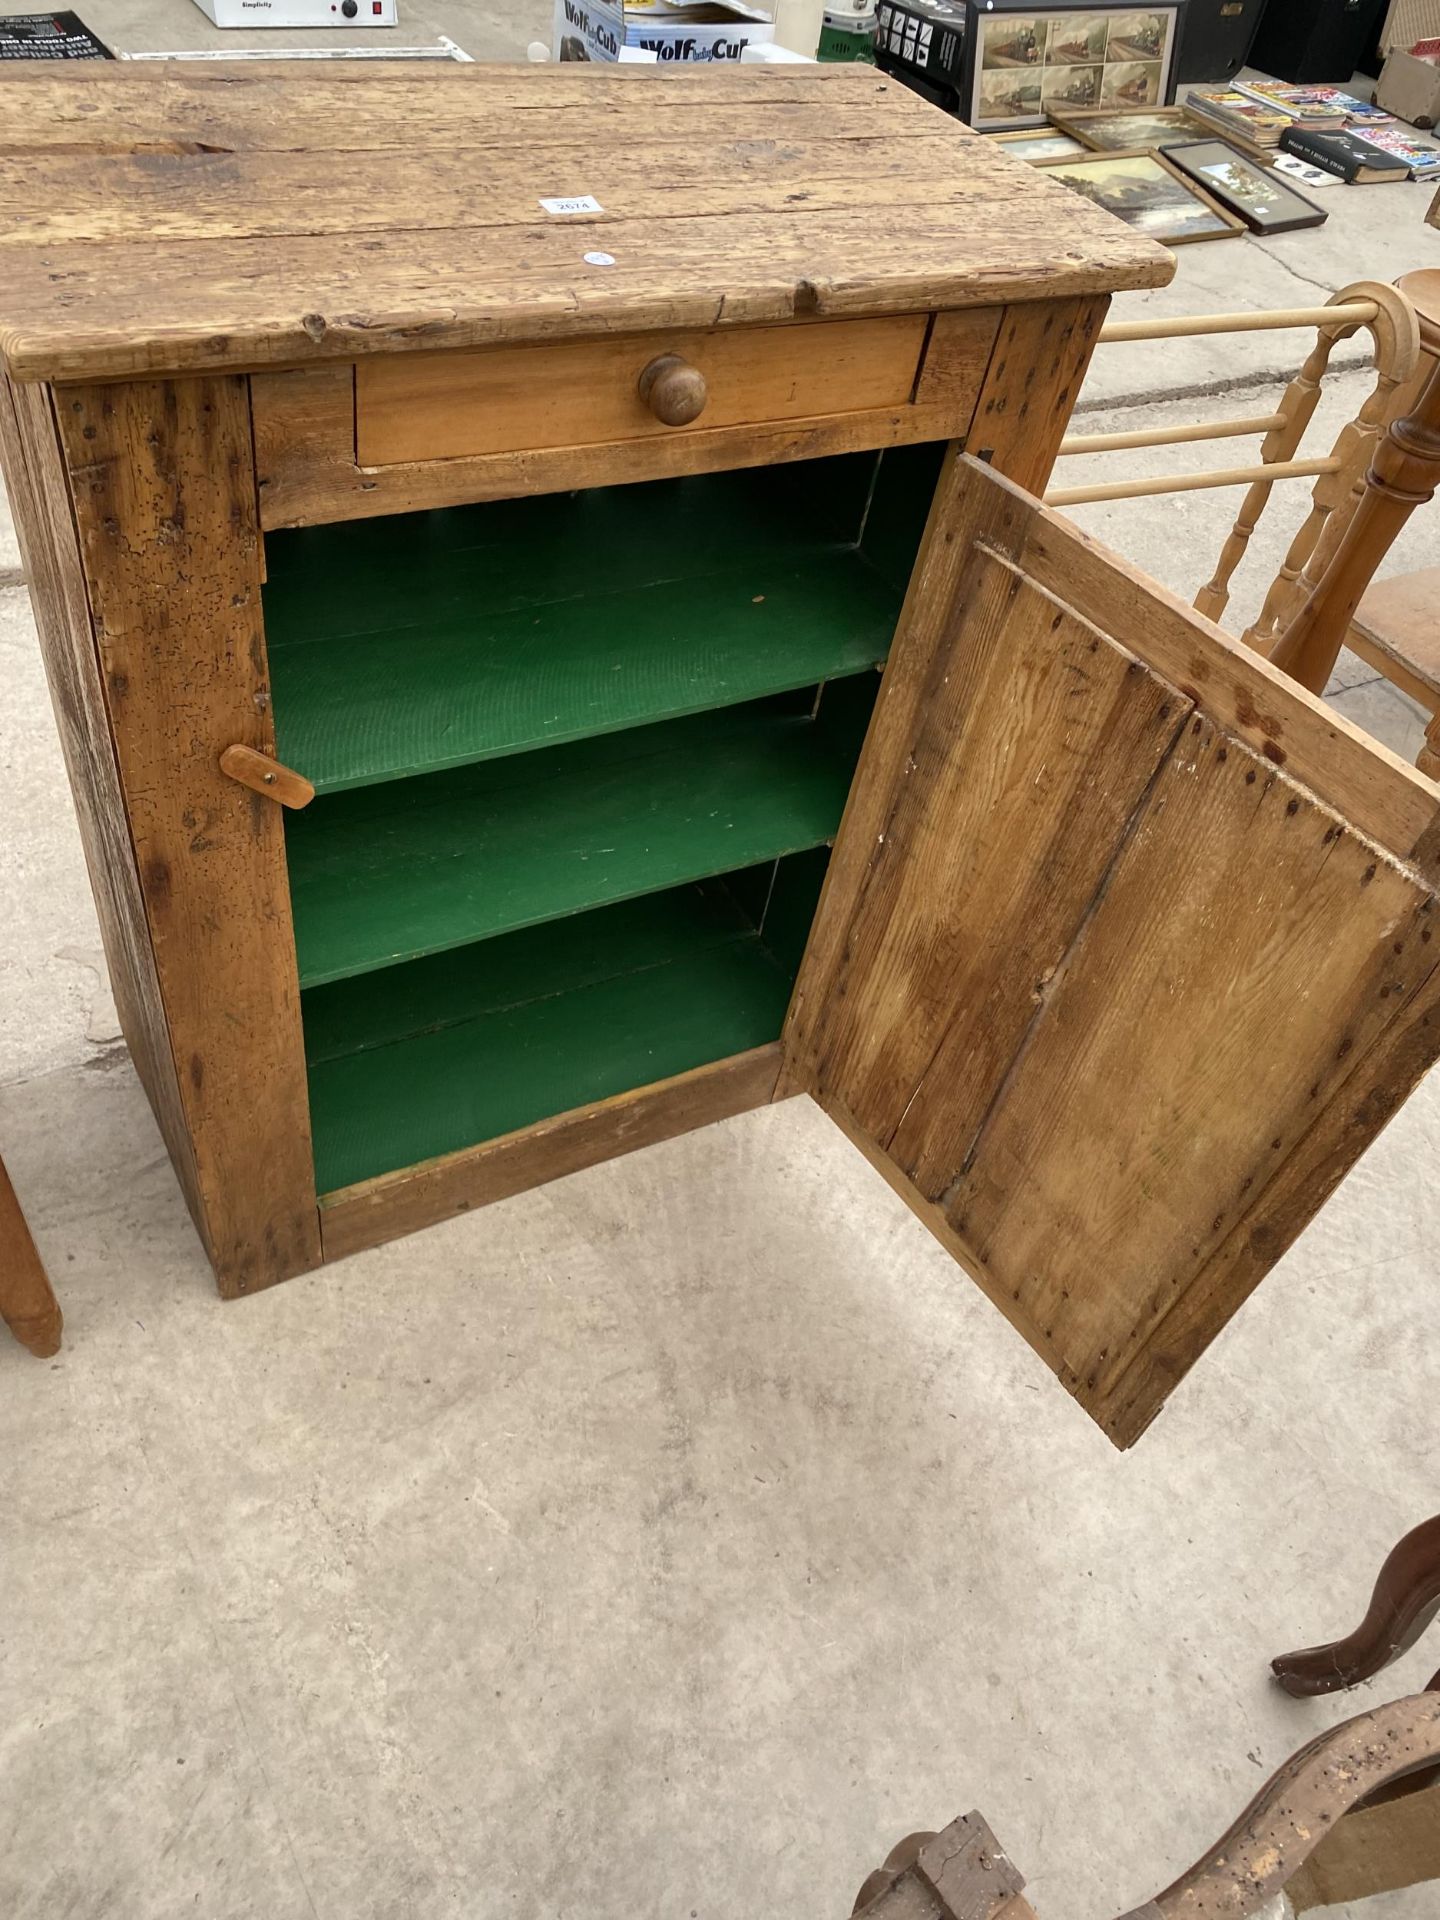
x,y
673,390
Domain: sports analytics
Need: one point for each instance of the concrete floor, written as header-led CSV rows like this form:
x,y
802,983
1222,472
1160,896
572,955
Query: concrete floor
x,y
671,1540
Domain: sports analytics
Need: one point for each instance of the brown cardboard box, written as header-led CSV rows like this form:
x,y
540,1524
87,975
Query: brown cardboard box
x,y
1409,21
1410,89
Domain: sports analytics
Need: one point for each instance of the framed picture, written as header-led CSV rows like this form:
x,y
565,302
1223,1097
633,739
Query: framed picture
x,y
1147,193
1044,143
1024,64
1265,202
1106,130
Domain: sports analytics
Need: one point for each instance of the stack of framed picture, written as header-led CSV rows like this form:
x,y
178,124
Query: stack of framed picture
x,y
1157,170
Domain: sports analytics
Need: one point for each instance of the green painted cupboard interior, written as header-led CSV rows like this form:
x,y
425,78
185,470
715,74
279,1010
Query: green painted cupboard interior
x,y
636,710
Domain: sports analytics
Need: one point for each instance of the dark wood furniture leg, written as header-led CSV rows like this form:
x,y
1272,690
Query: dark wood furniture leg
x,y
1406,1599
27,1300
1353,1813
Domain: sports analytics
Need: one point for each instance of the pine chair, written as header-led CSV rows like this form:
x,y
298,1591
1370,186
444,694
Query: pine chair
x,y
1396,628
1383,464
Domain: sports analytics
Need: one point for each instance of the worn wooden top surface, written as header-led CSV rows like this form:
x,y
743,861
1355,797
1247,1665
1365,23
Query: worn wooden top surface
x,y
157,218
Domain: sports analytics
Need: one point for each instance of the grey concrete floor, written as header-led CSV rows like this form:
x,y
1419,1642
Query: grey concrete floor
x,y
672,1539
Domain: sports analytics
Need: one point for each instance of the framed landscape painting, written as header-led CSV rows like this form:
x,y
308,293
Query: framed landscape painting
x,y
1127,129
1147,193
1044,143
1026,63
1265,202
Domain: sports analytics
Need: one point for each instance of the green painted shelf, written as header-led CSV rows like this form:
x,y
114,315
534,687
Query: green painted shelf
x,y
530,1025
386,874
470,685
434,640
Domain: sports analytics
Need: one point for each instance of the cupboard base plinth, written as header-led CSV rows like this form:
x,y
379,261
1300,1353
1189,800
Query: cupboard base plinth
x,y
399,1203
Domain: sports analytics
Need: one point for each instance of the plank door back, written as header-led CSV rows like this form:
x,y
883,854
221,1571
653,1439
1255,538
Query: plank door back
x,y
1125,952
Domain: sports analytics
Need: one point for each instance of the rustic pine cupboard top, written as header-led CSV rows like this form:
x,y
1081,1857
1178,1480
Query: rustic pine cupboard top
x,y
1122,951
199,219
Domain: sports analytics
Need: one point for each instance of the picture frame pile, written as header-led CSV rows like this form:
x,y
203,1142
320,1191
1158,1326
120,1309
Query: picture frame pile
x,y
1167,175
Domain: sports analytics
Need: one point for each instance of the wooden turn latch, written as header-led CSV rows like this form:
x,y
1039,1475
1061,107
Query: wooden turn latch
x,y
266,776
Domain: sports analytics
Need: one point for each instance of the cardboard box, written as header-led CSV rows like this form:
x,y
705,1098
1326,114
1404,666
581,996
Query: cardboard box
x,y
1410,89
922,36
1409,21
713,30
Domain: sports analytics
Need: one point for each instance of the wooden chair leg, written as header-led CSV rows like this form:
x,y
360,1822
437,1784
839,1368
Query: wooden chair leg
x,y
27,1300
1428,758
959,1874
1406,1599
1403,475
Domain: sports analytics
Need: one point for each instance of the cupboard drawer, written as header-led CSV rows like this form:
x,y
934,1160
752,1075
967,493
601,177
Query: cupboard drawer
x,y
445,406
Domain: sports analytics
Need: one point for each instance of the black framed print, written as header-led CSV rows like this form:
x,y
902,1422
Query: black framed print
x,y
1265,202
1024,62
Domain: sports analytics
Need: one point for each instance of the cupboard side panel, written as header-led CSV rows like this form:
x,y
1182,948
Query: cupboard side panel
x,y
39,495
1039,360
162,478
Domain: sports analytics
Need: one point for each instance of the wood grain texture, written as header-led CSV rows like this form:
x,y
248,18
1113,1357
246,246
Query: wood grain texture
x,y
27,1300
399,1203
38,488
1245,945
1363,1105
1373,1850
1048,728
305,452
1041,353
1397,629
1306,1804
443,406
163,486
265,776
176,220
1341,764
1107,989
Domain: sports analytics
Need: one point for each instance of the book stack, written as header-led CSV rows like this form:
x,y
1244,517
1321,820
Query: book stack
x,y
1324,126
1320,108
1423,161
1240,118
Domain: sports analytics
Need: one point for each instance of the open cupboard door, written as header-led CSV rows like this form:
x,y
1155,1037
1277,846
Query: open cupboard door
x,y
1126,950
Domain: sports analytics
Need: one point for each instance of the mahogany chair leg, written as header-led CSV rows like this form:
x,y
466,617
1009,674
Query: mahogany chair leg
x,y
27,1300
1406,1599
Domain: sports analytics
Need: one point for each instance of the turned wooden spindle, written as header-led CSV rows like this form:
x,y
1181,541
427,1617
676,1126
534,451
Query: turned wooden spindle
x,y
27,1301
1404,474
1395,339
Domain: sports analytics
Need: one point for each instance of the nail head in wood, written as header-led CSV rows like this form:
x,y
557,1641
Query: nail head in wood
x,y
674,391
266,776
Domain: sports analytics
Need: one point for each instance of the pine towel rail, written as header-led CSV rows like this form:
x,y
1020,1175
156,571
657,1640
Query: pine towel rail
x,y
1365,305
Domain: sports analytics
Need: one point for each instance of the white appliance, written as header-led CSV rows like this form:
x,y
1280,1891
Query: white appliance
x,y
299,13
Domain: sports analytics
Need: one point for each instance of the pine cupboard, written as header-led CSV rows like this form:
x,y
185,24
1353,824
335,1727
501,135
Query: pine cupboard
x,y
555,644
